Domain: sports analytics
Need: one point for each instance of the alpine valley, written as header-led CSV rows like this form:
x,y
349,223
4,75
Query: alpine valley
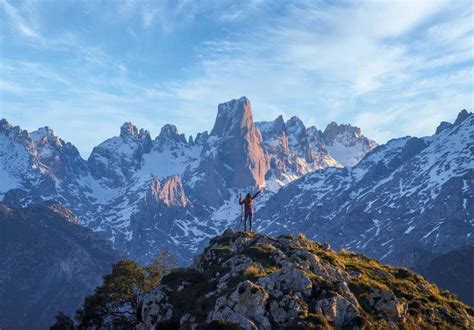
x,y
409,202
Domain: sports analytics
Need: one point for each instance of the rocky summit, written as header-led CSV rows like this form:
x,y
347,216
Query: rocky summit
x,y
245,280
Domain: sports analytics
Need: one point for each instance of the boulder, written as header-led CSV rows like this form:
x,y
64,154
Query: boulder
x,y
339,310
244,306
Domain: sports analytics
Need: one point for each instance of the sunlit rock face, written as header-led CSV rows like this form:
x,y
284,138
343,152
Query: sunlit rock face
x,y
239,145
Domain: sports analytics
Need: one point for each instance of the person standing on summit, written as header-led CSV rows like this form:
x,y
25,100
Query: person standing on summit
x,y
248,206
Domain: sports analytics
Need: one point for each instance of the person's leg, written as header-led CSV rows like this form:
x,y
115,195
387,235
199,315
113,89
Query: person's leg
x,y
245,220
250,220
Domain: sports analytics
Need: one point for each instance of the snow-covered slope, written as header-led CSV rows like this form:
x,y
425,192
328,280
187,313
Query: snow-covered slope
x,y
406,202
295,150
346,143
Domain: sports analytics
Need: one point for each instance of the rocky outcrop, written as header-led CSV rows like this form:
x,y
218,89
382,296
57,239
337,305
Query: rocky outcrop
x,y
116,159
166,206
237,150
293,150
253,281
168,192
232,157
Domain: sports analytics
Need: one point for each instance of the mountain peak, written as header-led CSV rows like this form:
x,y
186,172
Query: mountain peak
x,y
128,129
170,132
279,124
463,114
443,126
201,138
271,128
4,124
294,120
241,149
296,130
45,133
334,129
233,115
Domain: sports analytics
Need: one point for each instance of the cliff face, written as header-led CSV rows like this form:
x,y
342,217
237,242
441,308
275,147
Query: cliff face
x,y
240,145
234,149
252,281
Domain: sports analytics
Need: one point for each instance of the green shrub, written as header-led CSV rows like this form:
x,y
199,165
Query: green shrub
x,y
127,280
63,322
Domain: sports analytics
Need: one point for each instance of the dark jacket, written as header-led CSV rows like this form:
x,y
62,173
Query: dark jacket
x,y
248,201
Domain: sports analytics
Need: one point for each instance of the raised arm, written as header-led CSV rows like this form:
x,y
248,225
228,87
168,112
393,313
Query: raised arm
x,y
258,193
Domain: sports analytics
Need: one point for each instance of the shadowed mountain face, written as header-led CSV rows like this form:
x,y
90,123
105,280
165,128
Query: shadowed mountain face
x,y
147,194
252,281
452,271
48,263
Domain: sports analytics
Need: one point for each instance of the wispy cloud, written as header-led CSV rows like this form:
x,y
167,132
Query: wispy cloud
x,y
338,62
18,22
381,65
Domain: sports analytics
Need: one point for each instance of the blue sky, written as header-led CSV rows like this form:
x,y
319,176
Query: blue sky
x,y
85,67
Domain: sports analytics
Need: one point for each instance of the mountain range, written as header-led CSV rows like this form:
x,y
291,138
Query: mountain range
x,y
170,192
407,202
